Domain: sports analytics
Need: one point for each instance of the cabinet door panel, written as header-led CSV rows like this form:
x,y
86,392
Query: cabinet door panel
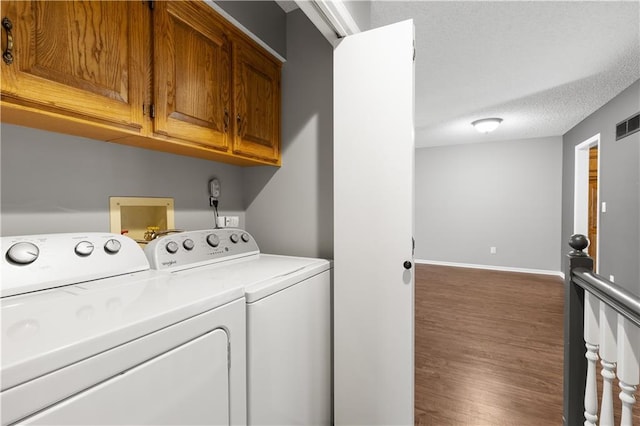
x,y
79,58
192,74
257,85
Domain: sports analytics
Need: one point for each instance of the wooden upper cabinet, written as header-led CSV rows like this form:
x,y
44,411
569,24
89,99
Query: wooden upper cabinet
x,y
257,103
174,77
78,58
192,74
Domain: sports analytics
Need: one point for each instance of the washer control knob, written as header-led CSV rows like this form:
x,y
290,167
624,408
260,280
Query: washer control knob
x,y
245,237
213,240
23,253
112,246
234,238
84,248
172,247
188,244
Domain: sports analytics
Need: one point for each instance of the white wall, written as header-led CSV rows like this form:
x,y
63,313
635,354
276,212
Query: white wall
x,y
58,183
360,11
501,194
290,210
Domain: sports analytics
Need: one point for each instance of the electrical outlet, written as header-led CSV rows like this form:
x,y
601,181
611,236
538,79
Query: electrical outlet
x,y
492,250
222,221
232,221
612,278
604,207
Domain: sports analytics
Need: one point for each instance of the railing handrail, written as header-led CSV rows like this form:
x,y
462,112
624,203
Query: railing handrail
x,y
621,300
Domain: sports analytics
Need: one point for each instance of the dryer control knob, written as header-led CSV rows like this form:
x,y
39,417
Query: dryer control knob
x,y
84,248
234,238
23,253
213,240
112,246
188,244
245,237
172,247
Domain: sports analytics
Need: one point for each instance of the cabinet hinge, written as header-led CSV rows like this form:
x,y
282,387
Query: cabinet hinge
x,y
150,3
152,111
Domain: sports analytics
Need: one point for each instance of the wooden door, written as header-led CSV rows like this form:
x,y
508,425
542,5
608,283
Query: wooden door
x,y
593,203
257,103
191,74
373,227
78,58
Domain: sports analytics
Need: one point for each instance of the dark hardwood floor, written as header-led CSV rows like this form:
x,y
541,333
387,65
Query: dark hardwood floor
x,y
489,348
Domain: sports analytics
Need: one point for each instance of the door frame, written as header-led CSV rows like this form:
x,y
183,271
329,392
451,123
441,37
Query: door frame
x,y
581,191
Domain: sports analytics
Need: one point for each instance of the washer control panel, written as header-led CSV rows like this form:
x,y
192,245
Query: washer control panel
x,y
38,262
193,248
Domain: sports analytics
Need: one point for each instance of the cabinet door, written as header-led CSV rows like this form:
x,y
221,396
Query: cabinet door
x,y
257,103
191,74
78,58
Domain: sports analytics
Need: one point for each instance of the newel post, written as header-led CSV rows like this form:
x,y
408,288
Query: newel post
x,y
575,363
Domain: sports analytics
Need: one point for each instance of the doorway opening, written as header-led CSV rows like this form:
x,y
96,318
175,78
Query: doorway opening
x,y
586,199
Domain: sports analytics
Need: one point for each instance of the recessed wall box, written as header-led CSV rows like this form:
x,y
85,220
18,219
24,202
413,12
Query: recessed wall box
x,y
132,216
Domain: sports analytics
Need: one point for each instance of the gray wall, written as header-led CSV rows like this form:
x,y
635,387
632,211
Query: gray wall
x,y
501,194
265,19
59,183
619,188
290,210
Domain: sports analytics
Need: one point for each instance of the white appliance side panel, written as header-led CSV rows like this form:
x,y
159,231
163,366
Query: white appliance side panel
x,y
187,385
289,355
373,226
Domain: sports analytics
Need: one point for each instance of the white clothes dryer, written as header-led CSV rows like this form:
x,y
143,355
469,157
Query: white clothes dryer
x,y
90,335
289,380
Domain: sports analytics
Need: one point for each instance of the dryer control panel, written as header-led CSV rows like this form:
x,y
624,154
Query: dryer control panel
x,y
194,248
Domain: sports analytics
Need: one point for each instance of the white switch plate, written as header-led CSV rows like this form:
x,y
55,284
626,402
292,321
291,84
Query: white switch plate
x,y
232,221
492,250
604,207
612,278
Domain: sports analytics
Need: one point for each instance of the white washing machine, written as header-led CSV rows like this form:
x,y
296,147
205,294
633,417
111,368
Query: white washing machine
x,y
91,335
288,319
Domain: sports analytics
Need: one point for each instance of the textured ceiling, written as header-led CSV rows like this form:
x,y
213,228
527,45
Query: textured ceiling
x,y
542,66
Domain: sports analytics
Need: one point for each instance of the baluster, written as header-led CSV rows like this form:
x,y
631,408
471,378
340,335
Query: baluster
x,y
628,367
608,355
591,337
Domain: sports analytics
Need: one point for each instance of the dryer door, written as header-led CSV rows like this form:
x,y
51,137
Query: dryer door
x,y
186,385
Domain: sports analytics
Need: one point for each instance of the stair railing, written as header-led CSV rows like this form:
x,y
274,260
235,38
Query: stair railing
x,y
604,318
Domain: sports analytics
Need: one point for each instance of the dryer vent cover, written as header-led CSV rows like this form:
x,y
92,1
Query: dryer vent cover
x,y
628,126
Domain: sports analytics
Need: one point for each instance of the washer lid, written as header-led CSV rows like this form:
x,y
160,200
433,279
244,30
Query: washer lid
x,y
259,275
47,330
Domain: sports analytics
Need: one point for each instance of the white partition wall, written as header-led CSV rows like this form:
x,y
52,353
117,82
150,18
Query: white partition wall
x,y
373,226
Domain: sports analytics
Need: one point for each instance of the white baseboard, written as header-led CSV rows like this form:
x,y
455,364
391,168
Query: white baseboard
x,y
491,267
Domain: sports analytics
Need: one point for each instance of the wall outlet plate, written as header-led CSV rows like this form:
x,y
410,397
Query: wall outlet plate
x,y
232,221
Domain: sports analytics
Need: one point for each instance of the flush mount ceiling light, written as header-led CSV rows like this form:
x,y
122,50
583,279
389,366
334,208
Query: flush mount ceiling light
x,y
486,125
